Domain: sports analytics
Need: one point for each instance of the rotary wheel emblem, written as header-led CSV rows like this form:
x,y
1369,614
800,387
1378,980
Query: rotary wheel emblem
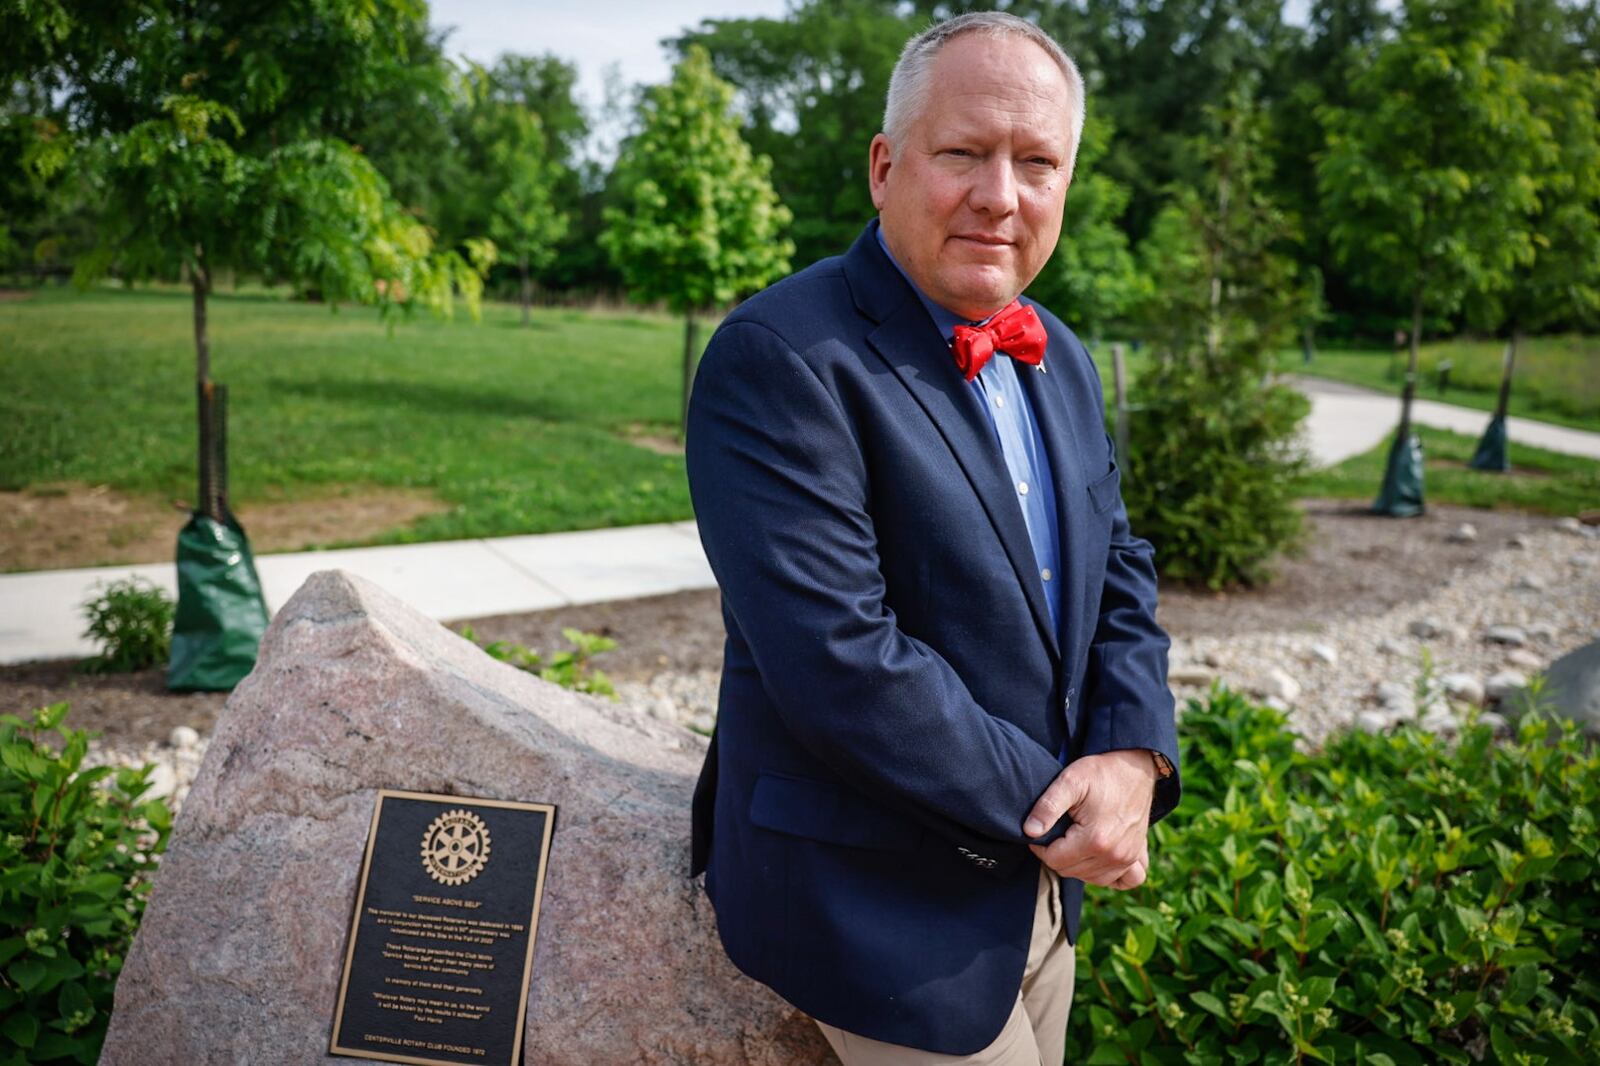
x,y
455,848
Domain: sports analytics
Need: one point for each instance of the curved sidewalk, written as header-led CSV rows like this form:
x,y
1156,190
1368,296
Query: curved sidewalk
x,y
1347,420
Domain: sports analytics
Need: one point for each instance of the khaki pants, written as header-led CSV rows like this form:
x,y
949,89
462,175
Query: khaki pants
x,y
1036,1032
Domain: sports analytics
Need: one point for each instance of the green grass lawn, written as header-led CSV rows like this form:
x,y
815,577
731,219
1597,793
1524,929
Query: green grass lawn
x,y
517,430
520,430
1557,379
1539,480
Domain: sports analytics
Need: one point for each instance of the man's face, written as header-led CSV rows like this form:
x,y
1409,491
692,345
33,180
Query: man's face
x,y
970,202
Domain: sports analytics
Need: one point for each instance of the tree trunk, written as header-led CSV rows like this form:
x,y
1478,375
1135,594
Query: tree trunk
x,y
527,292
689,330
1507,364
1493,452
200,283
199,277
1409,390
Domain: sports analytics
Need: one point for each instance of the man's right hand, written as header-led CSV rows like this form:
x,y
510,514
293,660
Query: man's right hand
x,y
1108,796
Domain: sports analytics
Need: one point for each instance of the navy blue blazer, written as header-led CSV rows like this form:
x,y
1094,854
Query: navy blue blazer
x,y
893,694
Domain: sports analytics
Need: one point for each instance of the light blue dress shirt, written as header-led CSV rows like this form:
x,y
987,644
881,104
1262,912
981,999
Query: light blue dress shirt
x,y
1001,395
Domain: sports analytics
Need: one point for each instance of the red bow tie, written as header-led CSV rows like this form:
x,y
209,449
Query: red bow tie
x,y
1016,331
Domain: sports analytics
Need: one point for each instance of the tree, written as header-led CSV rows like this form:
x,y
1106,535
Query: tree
x,y
1427,179
1314,72
1153,67
203,128
523,219
1560,283
511,174
697,221
1211,467
812,86
1093,279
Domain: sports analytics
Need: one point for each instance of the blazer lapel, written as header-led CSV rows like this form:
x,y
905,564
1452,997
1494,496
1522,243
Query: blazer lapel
x,y
1054,414
911,347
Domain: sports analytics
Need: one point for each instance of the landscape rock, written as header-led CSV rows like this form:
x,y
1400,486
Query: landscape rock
x,y
1509,635
1464,688
183,737
1573,686
1279,684
1521,542
1187,674
1325,653
1440,721
1527,660
1504,685
1373,721
1424,628
1543,632
1530,583
239,954
1397,698
1465,533
1570,524
1390,646
163,780
1497,722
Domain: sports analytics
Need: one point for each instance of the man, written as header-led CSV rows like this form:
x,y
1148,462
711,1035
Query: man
x,y
944,701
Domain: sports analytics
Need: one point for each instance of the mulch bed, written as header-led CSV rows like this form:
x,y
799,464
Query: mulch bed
x,y
1353,564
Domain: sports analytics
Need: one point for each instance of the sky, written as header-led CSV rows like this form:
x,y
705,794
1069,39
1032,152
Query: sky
x,y
600,34
593,35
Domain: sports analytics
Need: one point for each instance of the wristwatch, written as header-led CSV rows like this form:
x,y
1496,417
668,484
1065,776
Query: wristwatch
x,y
1163,764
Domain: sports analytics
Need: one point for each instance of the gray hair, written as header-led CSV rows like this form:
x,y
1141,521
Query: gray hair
x,y
908,85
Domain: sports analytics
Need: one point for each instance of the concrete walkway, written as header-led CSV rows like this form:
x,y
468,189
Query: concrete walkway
x,y
1347,420
448,580
39,616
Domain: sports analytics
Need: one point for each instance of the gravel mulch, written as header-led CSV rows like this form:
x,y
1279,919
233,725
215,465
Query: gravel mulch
x,y
1337,638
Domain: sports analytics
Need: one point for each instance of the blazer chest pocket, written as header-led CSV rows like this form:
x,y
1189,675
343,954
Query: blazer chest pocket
x,y
817,810
1103,493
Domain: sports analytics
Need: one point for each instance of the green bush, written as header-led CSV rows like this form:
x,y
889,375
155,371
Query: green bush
x,y
1388,899
131,620
1209,477
76,851
569,669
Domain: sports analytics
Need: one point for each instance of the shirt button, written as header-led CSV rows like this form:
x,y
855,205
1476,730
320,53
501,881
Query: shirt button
x,y
1022,487
999,401
1045,573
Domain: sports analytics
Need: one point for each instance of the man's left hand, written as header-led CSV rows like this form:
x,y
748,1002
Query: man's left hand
x,y
1109,798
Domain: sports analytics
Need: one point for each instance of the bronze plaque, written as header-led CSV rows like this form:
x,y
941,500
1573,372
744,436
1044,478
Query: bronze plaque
x,y
440,951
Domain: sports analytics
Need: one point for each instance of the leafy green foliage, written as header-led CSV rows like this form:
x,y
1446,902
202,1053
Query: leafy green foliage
x,y
697,222
1388,899
811,85
210,136
569,669
1428,172
1211,465
1093,279
77,847
131,621
1560,280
